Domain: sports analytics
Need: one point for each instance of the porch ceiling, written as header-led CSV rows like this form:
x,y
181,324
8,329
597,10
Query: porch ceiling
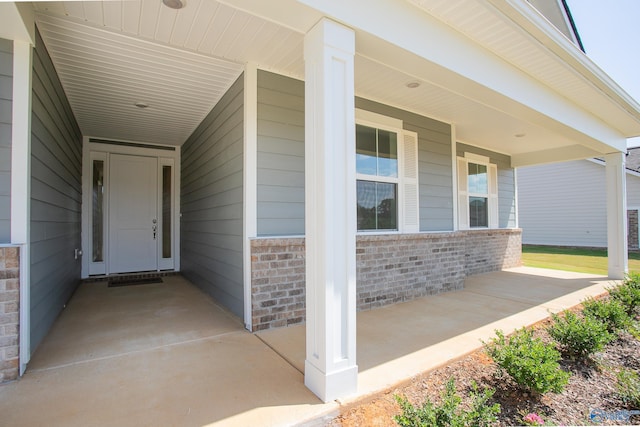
x,y
112,54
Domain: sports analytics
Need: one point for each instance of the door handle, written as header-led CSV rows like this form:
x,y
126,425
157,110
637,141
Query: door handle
x,y
154,227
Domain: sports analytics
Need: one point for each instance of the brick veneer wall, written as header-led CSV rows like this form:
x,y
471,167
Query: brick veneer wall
x,y
632,227
391,268
277,282
9,312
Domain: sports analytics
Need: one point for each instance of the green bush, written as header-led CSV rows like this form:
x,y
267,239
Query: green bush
x,y
628,293
449,413
579,337
609,311
531,363
628,386
633,280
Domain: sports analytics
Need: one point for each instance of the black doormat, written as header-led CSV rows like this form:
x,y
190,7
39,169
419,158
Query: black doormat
x,y
133,281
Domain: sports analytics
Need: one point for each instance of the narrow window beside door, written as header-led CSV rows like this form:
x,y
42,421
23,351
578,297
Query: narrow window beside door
x,y
166,211
98,211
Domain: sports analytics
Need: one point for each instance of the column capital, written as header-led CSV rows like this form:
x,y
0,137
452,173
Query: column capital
x,y
329,34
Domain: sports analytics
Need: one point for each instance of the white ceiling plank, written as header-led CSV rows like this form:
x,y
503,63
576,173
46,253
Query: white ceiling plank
x,y
55,7
236,27
131,16
256,30
75,9
206,11
149,18
217,27
113,14
105,72
93,12
184,22
166,22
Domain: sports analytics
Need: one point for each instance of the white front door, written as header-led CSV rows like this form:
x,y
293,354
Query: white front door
x,y
133,213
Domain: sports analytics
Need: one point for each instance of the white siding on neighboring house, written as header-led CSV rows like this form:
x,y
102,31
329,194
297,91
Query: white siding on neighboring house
x,y
633,191
6,90
563,204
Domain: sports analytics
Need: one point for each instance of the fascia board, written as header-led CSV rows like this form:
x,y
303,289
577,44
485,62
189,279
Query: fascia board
x,y
527,17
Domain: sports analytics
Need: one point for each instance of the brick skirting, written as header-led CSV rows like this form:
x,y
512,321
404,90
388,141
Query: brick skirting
x,y
391,268
9,313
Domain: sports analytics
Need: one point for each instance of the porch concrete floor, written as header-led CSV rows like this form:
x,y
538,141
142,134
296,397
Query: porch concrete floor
x,y
166,354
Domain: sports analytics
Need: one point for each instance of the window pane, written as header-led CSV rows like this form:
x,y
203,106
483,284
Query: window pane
x,y
366,205
166,211
387,153
97,207
478,212
377,206
478,179
387,206
366,152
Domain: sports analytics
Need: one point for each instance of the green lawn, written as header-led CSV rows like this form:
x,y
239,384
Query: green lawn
x,y
592,261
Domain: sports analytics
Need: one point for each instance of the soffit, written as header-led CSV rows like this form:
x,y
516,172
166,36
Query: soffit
x,y
112,54
543,54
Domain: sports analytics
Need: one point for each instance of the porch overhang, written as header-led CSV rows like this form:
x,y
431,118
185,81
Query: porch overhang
x,y
498,71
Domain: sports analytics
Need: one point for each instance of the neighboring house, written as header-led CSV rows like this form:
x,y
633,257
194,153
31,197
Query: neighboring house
x,y
297,160
564,204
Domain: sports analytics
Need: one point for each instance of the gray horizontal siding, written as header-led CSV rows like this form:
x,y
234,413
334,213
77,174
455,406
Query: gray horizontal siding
x,y
280,156
6,110
281,159
212,202
506,183
56,171
434,163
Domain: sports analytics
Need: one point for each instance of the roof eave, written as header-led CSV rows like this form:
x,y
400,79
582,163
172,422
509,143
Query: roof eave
x,y
526,16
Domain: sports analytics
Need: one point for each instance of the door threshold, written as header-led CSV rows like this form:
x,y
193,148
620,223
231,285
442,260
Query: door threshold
x,y
130,276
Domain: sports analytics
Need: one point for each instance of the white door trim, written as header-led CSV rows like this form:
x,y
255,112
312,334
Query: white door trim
x,y
165,154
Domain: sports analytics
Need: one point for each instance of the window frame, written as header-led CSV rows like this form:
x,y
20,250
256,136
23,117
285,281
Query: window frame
x,y
478,195
491,195
408,180
385,179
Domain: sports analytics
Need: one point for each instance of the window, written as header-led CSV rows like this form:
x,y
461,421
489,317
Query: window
x,y
386,174
478,192
478,195
377,184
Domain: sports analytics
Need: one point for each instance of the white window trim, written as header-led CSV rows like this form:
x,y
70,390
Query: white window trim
x,y
390,124
491,195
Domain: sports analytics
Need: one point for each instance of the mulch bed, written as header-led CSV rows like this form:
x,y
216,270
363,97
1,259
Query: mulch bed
x,y
591,387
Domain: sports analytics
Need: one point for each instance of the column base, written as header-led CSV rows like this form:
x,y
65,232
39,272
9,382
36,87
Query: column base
x,y
329,387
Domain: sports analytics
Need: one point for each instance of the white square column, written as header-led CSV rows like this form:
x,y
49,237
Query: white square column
x,y
616,215
330,211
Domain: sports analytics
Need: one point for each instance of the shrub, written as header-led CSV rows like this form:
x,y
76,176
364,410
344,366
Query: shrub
x,y
628,386
579,337
531,363
448,413
609,311
628,293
